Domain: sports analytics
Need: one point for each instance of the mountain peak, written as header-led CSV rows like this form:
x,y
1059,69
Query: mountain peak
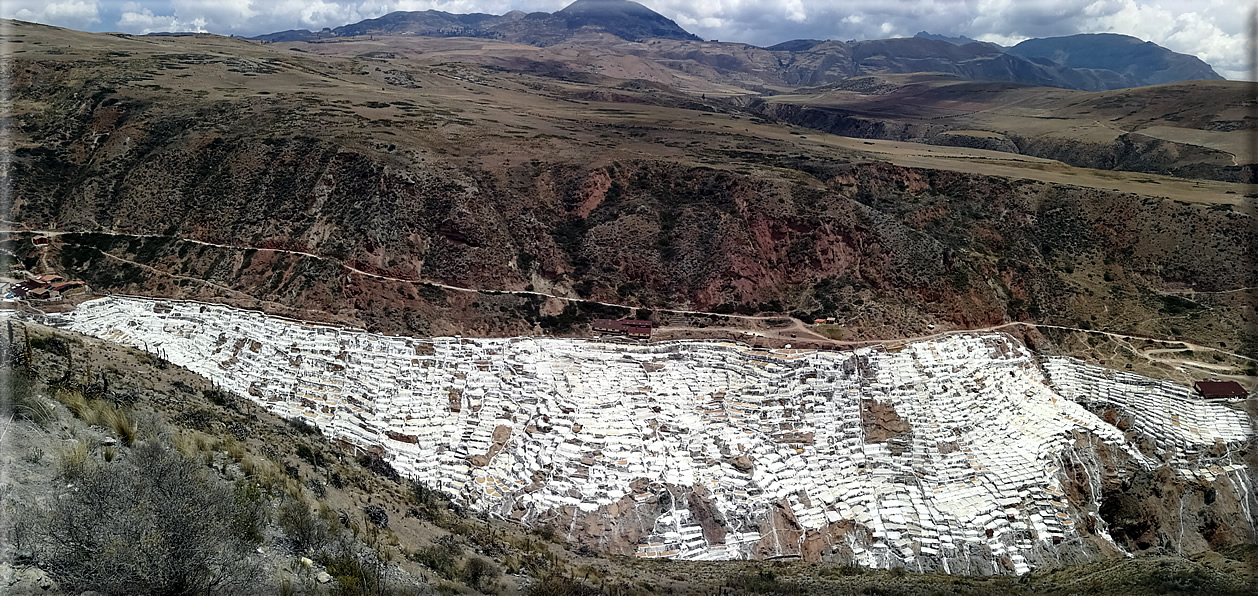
x,y
959,40
606,6
623,18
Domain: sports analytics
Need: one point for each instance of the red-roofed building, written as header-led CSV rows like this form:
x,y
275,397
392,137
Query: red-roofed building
x,y
630,327
21,289
1220,389
66,286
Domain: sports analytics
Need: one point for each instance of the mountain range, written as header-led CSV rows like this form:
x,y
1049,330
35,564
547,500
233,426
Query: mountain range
x,y
1092,62
622,18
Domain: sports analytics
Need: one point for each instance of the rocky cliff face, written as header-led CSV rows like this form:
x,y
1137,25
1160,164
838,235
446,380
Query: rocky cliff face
x,y
280,218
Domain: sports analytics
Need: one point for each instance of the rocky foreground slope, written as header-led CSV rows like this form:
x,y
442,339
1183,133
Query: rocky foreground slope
x,y
965,455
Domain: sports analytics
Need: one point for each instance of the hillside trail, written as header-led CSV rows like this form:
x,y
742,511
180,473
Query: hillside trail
x,y
798,327
352,269
1192,292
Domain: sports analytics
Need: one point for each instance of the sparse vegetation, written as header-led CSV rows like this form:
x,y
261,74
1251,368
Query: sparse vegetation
x,y
21,399
441,557
150,524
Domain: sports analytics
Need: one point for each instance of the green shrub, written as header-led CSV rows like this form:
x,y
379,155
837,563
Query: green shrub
x,y
220,398
441,557
304,531
425,496
303,427
478,573
354,573
313,456
763,582
250,517
555,584
51,344
151,523
545,532
379,466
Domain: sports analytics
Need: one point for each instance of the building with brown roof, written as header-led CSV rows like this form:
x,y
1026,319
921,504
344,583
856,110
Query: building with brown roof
x,y
66,286
21,289
631,327
1220,389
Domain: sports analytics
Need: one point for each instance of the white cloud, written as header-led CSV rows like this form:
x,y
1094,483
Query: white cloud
x,y
75,14
795,11
138,19
1213,31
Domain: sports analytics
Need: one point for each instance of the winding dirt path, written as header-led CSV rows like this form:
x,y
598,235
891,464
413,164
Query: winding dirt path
x,y
352,269
798,327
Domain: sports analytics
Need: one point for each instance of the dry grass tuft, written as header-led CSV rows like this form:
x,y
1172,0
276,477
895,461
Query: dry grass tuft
x,y
73,461
99,413
186,442
78,404
19,396
235,449
117,420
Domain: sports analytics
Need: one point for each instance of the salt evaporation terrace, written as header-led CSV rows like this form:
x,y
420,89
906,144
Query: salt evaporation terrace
x,y
520,427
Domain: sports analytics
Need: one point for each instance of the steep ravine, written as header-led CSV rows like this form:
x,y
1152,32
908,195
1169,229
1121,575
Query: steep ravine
x,y
1131,152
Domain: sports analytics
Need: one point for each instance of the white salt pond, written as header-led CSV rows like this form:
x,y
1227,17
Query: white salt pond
x,y
524,427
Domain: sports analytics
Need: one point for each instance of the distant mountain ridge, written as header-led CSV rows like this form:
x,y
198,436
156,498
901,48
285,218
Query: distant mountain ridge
x,y
1091,62
1143,62
622,18
1132,61
958,40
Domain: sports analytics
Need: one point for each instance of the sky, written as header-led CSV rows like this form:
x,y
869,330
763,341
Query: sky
x,y
1213,30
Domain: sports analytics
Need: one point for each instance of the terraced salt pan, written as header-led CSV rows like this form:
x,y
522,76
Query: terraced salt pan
x,y
526,427
1170,413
